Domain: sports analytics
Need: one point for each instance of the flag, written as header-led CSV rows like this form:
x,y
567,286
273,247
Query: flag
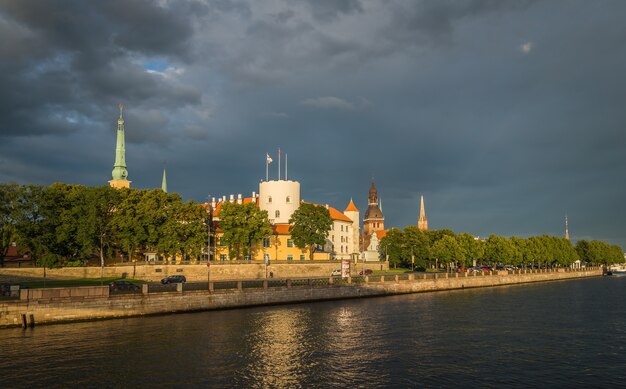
x,y
268,159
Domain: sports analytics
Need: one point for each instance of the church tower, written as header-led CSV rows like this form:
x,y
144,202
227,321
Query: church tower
x,y
422,221
566,229
164,181
120,173
374,219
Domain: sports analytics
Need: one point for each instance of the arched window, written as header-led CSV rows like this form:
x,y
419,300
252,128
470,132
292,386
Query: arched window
x,y
288,199
269,199
277,213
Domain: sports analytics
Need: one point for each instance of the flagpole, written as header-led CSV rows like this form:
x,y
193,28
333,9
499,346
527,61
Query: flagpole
x,y
279,164
267,169
286,166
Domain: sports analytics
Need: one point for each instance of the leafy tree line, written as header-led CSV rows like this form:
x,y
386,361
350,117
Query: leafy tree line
x,y
444,246
66,224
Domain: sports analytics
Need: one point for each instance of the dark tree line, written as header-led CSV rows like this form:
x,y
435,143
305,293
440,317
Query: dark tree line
x,y
68,224
444,246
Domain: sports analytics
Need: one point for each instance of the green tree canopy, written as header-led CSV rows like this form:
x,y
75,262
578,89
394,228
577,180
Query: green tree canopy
x,y
309,226
243,225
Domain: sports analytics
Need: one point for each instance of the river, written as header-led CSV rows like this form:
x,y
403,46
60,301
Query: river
x,y
554,334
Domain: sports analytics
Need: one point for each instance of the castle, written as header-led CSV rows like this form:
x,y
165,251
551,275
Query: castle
x,y
281,198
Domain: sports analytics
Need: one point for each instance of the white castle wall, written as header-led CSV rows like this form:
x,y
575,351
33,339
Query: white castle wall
x,y
282,196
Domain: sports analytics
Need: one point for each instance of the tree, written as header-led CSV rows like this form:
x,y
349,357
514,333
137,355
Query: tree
x,y
29,221
243,225
416,244
309,226
473,249
8,215
392,245
500,249
448,250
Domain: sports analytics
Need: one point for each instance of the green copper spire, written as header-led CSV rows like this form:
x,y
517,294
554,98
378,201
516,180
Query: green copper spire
x,y
119,168
164,182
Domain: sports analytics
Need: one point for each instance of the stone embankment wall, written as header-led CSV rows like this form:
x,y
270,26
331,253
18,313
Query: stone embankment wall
x,y
227,271
94,303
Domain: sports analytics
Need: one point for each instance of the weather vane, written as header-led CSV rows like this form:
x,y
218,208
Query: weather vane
x,y
121,107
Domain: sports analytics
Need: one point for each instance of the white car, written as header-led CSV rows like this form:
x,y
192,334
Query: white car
x,y
336,273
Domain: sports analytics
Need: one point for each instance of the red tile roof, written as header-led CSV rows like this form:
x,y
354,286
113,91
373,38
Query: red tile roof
x,y
351,207
381,234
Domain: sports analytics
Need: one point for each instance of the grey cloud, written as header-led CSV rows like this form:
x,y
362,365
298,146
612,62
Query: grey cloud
x,y
328,102
328,10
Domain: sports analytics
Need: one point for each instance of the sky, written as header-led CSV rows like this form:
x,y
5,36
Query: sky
x,y
505,115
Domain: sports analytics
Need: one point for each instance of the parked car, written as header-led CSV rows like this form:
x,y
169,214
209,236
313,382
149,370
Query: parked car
x,y
474,269
366,272
174,280
123,285
461,269
335,273
510,267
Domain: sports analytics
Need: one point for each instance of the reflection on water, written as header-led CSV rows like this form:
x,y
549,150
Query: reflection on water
x,y
557,334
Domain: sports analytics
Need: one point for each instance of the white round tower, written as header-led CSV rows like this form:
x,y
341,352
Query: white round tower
x,y
280,199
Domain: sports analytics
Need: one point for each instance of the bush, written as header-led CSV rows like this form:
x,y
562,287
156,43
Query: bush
x,y
76,263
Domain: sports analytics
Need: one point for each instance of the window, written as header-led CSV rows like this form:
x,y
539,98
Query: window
x,y
246,257
221,242
269,199
289,242
277,213
342,249
342,227
342,239
266,257
266,242
222,257
333,238
302,257
290,257
288,199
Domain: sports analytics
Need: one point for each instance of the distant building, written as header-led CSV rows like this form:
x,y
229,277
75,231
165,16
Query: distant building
x,y
422,220
566,229
373,226
373,219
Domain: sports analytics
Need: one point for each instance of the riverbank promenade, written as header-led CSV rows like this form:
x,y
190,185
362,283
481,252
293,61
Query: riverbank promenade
x,y
56,305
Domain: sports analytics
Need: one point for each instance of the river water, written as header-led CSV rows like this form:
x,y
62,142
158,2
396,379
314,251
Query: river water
x,y
555,334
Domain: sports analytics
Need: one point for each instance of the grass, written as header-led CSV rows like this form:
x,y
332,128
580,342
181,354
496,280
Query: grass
x,y
78,282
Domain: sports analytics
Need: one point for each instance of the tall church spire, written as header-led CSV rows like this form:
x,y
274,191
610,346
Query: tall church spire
x,y
566,229
120,173
422,220
164,181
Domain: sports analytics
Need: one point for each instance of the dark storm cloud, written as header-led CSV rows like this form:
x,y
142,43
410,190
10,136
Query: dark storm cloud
x,y
435,20
505,114
63,57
